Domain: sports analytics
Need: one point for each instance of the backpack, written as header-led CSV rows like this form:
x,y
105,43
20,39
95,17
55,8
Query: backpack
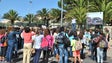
x,y
66,41
2,39
44,43
102,44
60,38
78,45
95,40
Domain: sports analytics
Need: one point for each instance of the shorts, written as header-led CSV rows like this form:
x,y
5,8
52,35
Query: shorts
x,y
76,53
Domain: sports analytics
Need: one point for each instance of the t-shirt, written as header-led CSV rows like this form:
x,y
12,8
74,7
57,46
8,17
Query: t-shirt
x,y
37,41
73,42
54,36
73,20
27,37
71,38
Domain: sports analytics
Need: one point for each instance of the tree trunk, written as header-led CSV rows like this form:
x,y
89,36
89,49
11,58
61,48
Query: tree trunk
x,y
44,21
12,22
80,26
29,23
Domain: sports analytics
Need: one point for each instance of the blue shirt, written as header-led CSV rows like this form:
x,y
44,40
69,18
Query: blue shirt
x,y
12,36
71,38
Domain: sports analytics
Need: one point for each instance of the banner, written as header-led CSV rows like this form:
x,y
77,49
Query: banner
x,y
94,18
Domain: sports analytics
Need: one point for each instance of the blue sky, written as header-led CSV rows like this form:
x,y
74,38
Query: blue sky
x,y
23,7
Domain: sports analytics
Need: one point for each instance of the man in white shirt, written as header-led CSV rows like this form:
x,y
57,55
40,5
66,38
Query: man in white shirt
x,y
73,24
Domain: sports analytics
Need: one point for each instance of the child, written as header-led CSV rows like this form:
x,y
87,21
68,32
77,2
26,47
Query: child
x,y
76,47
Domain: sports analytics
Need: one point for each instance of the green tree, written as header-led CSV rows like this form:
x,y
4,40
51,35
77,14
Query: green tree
x,y
67,4
12,15
30,18
44,14
78,12
104,6
55,15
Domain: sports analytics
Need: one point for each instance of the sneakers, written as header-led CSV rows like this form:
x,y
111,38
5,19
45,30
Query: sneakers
x,y
81,60
5,61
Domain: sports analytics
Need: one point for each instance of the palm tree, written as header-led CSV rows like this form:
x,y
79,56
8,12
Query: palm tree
x,y
67,4
30,18
55,14
11,15
78,12
104,6
44,14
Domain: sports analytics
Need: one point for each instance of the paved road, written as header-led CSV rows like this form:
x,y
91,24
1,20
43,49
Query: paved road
x,y
86,60
53,60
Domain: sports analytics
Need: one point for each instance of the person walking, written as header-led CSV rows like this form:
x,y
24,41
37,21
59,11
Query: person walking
x,y
11,37
27,36
63,52
100,48
47,44
71,37
107,37
2,44
37,39
55,48
76,47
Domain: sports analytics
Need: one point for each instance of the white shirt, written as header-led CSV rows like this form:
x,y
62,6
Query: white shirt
x,y
73,20
54,36
37,41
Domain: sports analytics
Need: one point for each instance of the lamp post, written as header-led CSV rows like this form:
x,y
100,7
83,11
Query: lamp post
x,y
61,12
30,4
87,26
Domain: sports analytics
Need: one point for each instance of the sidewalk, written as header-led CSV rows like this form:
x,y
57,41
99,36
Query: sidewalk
x,y
53,59
109,53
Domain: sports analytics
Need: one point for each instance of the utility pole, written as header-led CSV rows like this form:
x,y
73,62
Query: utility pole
x,y
61,12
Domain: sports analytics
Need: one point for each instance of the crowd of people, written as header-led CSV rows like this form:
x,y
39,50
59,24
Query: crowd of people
x,y
51,42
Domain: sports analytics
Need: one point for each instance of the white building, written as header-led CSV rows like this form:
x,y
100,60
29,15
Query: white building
x,y
5,21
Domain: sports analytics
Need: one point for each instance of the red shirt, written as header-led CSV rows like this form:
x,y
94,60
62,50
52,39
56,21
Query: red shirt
x,y
27,37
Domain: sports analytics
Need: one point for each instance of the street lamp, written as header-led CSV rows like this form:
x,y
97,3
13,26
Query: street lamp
x,y
30,4
61,12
